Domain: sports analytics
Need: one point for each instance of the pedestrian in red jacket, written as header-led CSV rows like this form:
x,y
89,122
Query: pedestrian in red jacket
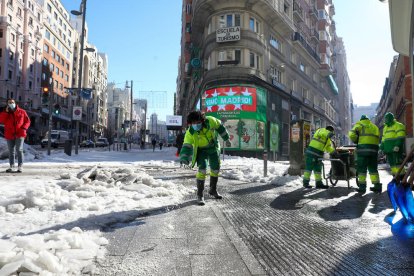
x,y
16,122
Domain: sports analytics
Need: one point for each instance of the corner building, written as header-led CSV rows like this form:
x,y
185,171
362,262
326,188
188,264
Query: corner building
x,y
259,64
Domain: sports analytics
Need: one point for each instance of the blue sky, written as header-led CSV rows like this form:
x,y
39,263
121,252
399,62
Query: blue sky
x,y
365,27
142,41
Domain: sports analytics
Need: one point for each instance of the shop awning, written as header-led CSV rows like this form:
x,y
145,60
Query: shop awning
x,y
332,84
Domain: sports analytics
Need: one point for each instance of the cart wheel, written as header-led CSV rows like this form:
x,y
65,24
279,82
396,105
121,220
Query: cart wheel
x,y
331,179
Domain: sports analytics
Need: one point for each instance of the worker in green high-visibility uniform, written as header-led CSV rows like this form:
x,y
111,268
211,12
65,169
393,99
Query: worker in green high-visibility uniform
x,y
320,143
392,143
366,135
200,143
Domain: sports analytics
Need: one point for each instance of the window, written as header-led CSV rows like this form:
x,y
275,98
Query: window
x,y
254,60
11,55
56,84
45,61
46,48
321,14
19,12
52,67
230,55
30,84
302,67
275,74
61,86
66,77
55,15
53,54
30,21
61,74
31,68
275,42
10,18
229,20
1,33
32,52
57,70
1,52
13,37
47,34
10,74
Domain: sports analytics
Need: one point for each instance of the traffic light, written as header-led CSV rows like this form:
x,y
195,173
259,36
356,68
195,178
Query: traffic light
x,y
45,95
56,109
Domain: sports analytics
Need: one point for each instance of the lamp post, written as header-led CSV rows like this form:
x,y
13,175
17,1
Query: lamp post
x,y
130,116
82,42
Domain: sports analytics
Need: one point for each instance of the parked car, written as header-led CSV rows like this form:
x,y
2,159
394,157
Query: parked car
x,y
87,144
57,138
102,142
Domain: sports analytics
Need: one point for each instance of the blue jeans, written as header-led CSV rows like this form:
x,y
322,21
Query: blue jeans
x,y
15,145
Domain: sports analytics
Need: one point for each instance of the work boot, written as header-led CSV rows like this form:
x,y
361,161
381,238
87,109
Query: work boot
x,y
9,170
306,184
377,188
213,187
200,189
319,185
362,188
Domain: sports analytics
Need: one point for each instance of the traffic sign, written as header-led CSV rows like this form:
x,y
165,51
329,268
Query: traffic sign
x,y
77,113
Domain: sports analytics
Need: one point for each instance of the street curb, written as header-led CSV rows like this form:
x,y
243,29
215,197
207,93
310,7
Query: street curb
x,y
250,261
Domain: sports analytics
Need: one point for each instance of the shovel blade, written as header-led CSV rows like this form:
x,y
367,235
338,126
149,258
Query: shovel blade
x,y
391,194
409,202
401,197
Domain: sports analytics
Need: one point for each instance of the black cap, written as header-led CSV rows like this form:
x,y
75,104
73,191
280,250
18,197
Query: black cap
x,y
330,128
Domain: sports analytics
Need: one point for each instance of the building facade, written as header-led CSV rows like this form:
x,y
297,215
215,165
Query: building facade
x,y
397,95
118,111
21,56
58,46
275,54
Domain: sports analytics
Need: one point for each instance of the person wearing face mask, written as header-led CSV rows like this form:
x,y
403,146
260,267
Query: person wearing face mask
x,y
16,122
201,144
392,143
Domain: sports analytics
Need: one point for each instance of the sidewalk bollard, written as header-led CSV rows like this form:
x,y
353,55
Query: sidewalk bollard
x,y
265,163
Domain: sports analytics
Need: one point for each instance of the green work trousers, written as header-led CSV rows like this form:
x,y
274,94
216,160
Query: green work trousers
x,y
210,155
395,160
312,163
370,163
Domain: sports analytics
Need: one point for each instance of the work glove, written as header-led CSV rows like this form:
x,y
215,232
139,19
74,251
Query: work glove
x,y
396,149
228,144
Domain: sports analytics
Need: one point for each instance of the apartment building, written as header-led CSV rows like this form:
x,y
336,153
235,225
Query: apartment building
x,y
21,57
118,110
58,44
397,95
94,82
259,63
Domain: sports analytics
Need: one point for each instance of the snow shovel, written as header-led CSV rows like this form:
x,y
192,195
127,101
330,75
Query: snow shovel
x,y
392,186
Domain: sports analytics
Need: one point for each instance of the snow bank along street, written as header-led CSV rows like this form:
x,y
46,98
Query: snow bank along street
x,y
51,214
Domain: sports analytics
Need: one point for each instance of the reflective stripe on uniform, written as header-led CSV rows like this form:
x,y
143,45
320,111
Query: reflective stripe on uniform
x,y
318,176
374,178
214,173
307,175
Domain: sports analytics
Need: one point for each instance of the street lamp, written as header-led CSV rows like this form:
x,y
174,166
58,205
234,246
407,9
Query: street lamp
x,y
82,42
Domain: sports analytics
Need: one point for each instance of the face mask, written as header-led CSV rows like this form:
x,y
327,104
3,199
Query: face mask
x,y
12,105
197,127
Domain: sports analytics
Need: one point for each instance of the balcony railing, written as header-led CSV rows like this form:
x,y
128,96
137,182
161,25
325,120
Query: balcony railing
x,y
297,95
320,109
298,11
308,102
313,12
298,37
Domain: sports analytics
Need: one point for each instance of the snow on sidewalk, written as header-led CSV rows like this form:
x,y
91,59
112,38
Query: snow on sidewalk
x,y
51,214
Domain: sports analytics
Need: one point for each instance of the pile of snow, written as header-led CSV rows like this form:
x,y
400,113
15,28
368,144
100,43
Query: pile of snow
x,y
29,152
60,252
251,169
34,217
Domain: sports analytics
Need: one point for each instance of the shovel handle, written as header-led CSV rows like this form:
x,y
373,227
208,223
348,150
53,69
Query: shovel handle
x,y
408,157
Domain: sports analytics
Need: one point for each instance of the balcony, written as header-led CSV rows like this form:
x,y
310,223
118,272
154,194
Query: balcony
x,y
313,12
314,34
296,95
297,37
320,109
308,102
298,12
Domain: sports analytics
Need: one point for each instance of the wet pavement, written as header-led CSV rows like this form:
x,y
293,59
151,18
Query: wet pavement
x,y
264,229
